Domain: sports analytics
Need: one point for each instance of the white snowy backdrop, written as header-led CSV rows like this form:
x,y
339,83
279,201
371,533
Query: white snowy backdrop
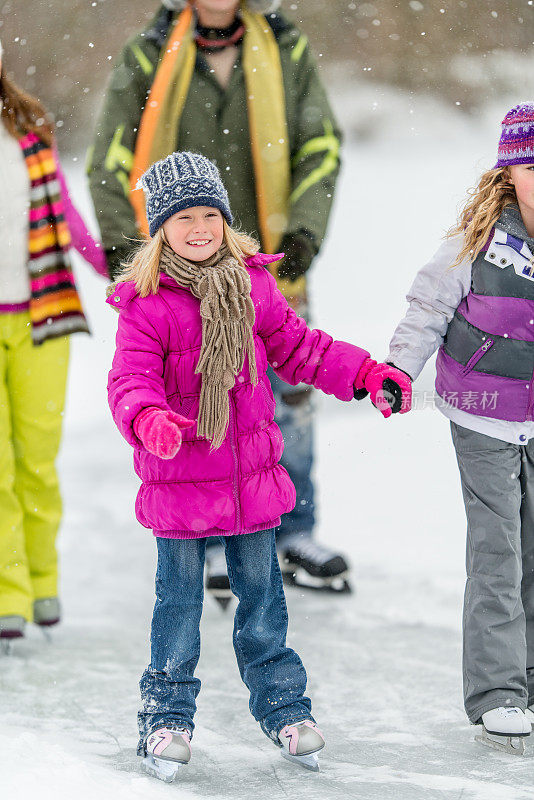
x,y
385,663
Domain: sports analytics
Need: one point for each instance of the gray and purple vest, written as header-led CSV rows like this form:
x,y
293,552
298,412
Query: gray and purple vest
x,y
486,363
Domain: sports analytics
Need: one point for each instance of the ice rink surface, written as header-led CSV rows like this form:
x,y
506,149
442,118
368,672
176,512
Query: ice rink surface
x,y
384,664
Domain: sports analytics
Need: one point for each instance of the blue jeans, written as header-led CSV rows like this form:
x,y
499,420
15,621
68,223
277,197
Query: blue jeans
x,y
273,673
296,423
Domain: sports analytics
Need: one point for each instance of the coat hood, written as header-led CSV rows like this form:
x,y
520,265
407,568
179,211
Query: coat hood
x,y
259,6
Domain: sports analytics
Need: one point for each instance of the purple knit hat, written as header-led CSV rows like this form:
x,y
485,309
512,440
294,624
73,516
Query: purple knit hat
x,y
516,145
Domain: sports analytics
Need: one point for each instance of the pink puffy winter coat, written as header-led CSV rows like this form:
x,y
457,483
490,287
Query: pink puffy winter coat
x,y
240,487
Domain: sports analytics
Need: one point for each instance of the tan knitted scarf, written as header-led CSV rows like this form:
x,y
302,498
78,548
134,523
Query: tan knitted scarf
x,y
223,288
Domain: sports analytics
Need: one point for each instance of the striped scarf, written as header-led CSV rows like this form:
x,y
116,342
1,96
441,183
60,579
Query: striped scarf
x,y
55,307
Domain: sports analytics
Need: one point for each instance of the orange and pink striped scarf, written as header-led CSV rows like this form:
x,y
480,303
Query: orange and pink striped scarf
x,y
55,306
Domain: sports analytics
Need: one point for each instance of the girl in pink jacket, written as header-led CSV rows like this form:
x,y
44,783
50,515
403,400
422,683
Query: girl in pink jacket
x,y
200,320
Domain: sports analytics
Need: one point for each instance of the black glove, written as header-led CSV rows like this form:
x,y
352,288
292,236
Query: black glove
x,y
299,253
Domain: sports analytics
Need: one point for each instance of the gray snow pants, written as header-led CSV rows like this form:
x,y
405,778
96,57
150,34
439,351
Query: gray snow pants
x,y
498,621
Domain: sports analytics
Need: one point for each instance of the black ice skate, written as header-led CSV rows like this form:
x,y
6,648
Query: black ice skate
x,y
217,581
505,729
312,566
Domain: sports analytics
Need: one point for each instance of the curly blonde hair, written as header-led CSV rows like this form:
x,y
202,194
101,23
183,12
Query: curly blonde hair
x,y
143,267
486,202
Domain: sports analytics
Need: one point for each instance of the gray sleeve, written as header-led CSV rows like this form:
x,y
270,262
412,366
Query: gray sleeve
x,y
436,293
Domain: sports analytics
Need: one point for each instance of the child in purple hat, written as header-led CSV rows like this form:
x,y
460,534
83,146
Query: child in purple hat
x,y
474,301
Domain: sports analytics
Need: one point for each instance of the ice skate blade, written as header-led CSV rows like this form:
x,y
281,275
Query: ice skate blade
x,y
161,768
295,576
6,647
310,761
512,745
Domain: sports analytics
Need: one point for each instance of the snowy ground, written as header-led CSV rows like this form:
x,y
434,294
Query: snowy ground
x,y
384,663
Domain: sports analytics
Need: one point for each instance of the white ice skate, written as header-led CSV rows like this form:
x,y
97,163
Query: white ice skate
x,y
505,729
167,749
47,614
301,744
11,628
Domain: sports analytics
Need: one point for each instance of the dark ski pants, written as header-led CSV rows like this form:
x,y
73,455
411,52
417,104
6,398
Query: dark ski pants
x,y
498,622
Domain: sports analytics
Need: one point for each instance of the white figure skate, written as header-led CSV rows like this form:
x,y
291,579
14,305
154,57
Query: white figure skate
x,y
301,744
11,628
505,729
167,749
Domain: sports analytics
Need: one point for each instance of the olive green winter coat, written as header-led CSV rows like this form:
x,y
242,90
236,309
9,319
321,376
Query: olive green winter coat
x,y
214,122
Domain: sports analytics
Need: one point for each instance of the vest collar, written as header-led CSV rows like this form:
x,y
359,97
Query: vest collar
x,y
512,223
505,249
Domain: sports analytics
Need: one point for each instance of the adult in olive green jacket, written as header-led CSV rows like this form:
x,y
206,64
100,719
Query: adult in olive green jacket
x,y
214,122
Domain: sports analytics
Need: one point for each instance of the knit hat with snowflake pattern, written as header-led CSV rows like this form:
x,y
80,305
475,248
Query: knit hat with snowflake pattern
x,y
180,181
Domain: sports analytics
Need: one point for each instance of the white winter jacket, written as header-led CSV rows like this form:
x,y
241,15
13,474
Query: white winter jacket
x,y
14,204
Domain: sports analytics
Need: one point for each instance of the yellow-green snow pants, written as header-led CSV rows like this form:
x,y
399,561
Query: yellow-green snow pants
x,y
32,396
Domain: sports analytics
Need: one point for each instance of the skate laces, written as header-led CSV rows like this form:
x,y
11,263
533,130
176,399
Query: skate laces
x,y
176,729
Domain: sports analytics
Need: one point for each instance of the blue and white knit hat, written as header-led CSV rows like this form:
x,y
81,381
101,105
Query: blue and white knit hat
x,y
180,181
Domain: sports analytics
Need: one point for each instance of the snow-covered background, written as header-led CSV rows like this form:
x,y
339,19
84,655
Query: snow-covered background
x,y
385,663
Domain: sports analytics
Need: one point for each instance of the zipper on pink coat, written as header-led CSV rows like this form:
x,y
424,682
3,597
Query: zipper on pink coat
x,y
233,445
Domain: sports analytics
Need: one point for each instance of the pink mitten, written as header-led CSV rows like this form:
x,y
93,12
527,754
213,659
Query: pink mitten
x,y
160,431
390,388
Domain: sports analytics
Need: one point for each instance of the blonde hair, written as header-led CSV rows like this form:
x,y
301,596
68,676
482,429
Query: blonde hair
x,y
143,268
486,202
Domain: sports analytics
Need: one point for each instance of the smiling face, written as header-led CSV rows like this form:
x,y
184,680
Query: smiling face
x,y
195,233
522,177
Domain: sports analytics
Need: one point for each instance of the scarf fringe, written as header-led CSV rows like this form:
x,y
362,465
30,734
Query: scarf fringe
x,y
227,311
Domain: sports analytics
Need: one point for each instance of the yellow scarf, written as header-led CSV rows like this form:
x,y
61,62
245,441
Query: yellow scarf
x,y
267,122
